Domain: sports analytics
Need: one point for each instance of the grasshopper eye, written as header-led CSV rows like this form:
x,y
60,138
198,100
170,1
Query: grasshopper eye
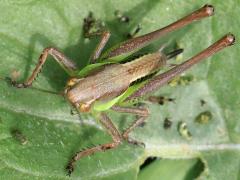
x,y
83,107
71,82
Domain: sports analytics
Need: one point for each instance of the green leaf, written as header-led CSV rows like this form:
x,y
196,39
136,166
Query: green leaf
x,y
172,169
54,135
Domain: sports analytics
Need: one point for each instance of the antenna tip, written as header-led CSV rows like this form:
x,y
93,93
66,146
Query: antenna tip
x,y
209,9
230,39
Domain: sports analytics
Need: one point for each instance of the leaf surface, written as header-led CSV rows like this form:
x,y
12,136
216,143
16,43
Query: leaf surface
x,y
54,135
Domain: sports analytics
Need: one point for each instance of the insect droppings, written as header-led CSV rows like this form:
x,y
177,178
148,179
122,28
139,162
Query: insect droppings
x,y
167,123
91,26
18,135
183,80
202,102
161,100
184,131
134,33
121,17
204,117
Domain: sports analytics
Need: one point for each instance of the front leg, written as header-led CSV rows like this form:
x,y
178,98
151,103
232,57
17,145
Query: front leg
x,y
111,129
66,63
97,52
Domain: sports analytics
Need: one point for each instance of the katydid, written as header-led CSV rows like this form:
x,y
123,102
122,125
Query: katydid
x,y
108,84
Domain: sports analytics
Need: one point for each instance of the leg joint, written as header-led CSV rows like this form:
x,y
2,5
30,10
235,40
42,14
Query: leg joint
x,y
49,49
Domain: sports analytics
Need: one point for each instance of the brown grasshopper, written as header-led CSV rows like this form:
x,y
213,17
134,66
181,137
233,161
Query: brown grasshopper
x,y
108,84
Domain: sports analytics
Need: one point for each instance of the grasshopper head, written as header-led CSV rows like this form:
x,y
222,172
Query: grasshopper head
x,y
80,106
72,95
84,107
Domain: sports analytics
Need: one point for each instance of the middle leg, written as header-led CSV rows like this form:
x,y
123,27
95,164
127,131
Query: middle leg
x,y
142,116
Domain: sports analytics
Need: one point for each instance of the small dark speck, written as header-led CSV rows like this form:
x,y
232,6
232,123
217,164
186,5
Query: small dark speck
x,y
167,123
203,102
18,135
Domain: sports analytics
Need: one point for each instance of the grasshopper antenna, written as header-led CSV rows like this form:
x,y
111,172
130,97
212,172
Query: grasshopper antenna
x,y
174,53
161,79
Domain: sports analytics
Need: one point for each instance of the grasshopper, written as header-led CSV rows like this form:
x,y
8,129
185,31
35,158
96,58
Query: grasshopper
x,y
106,83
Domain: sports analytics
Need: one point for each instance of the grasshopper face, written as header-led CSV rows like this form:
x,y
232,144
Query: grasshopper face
x,y
80,104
